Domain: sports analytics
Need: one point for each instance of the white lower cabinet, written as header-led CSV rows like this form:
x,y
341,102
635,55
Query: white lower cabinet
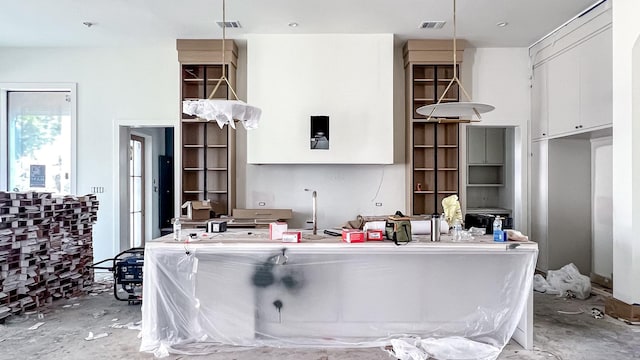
x,y
561,203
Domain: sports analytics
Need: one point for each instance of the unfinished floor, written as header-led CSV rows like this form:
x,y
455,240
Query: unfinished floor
x,y
564,329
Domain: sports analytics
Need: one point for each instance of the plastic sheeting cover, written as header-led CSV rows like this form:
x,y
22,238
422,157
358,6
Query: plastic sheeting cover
x,y
214,296
223,112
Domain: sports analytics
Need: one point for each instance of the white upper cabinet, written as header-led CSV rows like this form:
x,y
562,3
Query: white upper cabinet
x,y
494,150
596,85
476,144
564,92
539,103
485,146
571,85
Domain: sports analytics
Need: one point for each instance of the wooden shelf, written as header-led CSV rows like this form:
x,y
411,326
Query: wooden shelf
x,y
193,146
193,169
192,191
219,146
423,192
217,169
486,165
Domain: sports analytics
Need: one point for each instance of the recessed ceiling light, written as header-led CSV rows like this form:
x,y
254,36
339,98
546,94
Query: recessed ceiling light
x,y
502,24
293,24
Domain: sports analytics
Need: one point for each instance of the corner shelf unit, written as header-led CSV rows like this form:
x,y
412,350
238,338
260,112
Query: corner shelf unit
x,y
208,152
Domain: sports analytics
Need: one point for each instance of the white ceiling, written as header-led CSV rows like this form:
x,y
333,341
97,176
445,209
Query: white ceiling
x,y
155,22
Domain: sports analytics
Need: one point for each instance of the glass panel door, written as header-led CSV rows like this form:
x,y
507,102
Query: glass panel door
x,y
136,191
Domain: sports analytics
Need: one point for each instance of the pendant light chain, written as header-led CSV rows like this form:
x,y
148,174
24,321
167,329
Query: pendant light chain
x,y
224,63
224,36
430,110
455,73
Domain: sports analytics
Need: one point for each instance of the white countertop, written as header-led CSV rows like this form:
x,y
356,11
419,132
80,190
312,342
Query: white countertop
x,y
258,239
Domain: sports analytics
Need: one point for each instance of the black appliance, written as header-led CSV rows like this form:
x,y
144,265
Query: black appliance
x,y
486,221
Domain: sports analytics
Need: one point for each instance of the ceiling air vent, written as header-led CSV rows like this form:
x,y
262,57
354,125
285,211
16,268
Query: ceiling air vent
x,y
229,24
432,24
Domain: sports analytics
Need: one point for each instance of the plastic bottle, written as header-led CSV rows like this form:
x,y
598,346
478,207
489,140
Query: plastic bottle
x,y
498,235
177,230
457,230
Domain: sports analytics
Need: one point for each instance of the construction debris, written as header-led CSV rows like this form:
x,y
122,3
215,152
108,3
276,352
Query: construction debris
x,y
94,337
37,325
45,245
131,326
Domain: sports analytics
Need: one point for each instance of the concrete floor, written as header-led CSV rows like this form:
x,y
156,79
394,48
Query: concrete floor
x,y
68,322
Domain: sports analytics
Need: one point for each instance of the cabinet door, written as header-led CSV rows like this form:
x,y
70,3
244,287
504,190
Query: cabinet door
x,y
476,145
539,102
539,200
596,83
564,92
494,149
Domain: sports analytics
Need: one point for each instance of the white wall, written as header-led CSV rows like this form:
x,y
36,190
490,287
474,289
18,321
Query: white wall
x,y
626,162
347,77
132,85
500,77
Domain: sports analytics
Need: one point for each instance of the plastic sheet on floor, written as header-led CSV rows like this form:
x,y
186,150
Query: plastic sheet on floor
x,y
449,348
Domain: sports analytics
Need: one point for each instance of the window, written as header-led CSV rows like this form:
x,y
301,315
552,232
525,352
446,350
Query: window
x,y
38,128
136,190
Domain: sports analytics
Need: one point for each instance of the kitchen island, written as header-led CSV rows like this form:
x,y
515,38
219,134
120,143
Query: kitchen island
x,y
239,288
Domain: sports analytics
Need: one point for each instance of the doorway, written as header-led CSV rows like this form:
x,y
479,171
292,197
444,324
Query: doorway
x,y
145,183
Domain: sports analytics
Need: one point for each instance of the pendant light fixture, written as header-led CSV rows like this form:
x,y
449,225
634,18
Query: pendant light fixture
x,y
223,111
461,109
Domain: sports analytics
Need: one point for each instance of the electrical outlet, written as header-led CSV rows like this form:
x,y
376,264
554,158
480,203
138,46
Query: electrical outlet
x,y
262,203
378,204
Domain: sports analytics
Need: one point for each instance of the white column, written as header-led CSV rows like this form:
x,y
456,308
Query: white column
x,y
626,151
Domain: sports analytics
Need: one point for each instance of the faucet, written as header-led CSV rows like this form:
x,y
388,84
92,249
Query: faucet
x,y
314,196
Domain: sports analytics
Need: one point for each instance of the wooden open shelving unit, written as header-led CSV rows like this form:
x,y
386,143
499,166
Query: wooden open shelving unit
x,y
432,148
208,152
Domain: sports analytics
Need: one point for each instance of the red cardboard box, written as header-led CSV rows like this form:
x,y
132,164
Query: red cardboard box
x,y
291,236
352,235
375,235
